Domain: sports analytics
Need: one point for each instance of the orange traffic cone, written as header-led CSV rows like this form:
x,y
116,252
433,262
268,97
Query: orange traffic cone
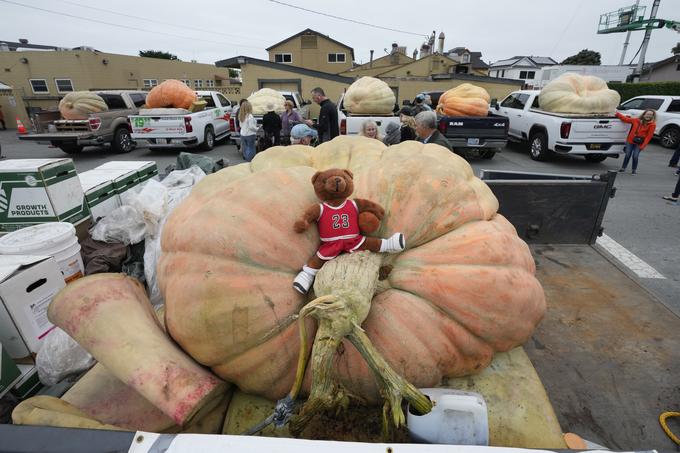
x,y
21,129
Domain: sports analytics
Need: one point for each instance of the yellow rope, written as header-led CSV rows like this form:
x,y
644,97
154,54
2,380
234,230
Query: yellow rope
x,y
662,421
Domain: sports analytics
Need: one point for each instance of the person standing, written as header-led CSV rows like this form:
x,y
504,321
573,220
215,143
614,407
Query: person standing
x,y
675,158
408,124
248,130
676,193
2,119
271,124
289,118
420,104
328,116
369,128
426,129
641,132
392,134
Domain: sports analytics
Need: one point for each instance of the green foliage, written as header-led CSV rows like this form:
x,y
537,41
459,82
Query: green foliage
x,y
234,73
630,90
158,54
587,57
676,50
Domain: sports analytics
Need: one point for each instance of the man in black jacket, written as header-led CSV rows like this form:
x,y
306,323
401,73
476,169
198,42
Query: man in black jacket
x,y
426,129
328,116
271,124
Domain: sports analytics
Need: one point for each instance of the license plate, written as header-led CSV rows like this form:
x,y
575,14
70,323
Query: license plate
x,y
595,146
473,142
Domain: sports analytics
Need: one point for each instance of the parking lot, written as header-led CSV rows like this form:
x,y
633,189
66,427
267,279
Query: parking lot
x,y
637,218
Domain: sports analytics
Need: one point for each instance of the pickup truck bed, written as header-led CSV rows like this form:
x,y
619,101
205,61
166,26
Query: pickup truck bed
x,y
479,136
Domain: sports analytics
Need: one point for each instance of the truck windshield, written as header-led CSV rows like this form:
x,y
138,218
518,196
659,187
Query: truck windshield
x,y
113,101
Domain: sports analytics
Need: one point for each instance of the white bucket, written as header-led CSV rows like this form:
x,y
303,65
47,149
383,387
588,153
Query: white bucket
x,y
57,239
457,418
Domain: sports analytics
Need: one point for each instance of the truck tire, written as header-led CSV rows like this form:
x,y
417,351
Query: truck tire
x,y
70,148
595,157
122,141
670,137
538,146
208,139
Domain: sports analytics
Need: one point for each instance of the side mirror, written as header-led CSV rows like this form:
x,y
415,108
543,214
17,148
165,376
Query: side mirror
x,y
494,103
621,107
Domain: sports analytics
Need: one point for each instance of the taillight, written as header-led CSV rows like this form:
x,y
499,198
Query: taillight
x,y
95,123
187,124
442,126
343,126
232,124
565,128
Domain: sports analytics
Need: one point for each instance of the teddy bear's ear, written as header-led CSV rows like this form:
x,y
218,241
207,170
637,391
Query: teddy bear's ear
x,y
316,175
349,173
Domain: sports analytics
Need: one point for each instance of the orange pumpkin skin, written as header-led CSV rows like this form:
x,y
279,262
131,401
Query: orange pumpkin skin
x,y
464,100
463,289
172,94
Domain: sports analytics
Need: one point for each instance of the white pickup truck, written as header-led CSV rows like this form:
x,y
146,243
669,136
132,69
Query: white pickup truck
x,y
179,128
350,124
593,136
667,116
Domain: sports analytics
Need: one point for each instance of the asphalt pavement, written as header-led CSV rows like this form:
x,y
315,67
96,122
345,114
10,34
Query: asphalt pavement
x,y
637,218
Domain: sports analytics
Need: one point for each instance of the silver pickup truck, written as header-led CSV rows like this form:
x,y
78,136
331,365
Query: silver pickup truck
x,y
98,129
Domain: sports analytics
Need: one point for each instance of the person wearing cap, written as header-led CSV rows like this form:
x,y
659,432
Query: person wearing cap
x,y
271,124
301,134
392,134
408,124
420,105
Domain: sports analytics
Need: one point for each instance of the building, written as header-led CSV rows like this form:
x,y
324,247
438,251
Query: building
x,y
667,70
608,73
40,78
468,59
523,68
313,50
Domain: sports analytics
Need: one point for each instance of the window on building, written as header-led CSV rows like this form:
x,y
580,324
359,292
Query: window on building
x,y
138,99
531,74
210,83
336,57
39,86
198,83
503,73
283,58
677,68
465,58
150,83
461,69
64,85
187,82
308,42
522,74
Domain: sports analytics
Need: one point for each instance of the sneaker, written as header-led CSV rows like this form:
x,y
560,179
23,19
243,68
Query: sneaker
x,y
394,244
633,173
303,281
670,198
621,170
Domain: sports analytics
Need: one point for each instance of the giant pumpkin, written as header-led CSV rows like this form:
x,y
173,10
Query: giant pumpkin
x,y
264,98
79,104
369,96
170,94
464,100
574,93
463,289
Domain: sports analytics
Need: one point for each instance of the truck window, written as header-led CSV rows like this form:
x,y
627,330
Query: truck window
x,y
652,104
634,103
515,101
138,99
509,102
535,105
674,107
210,102
113,101
522,100
224,101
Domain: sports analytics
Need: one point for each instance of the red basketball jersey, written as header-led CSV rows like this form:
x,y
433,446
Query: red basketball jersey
x,y
341,222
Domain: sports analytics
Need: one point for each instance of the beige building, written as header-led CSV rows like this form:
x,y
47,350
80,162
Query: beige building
x,y
313,50
667,70
40,78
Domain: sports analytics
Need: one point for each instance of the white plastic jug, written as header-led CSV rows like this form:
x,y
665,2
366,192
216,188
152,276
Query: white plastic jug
x,y
457,418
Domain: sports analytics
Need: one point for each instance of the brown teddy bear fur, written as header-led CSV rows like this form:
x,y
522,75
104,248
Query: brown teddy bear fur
x,y
333,187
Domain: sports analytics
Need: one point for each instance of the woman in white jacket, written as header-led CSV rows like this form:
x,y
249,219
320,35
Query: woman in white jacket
x,y
248,130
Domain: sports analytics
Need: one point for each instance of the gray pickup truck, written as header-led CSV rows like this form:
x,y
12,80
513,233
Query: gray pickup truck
x,y
99,128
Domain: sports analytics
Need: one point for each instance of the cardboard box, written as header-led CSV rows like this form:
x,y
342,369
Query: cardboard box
x,y
145,169
100,193
34,191
27,286
29,383
9,372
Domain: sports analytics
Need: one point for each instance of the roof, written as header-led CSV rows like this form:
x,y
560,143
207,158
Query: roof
x,y
309,31
533,61
475,57
4,87
660,63
236,62
13,46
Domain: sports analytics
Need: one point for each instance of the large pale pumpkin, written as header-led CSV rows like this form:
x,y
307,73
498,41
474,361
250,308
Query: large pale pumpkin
x,y
463,289
79,104
464,100
369,96
170,94
264,98
574,93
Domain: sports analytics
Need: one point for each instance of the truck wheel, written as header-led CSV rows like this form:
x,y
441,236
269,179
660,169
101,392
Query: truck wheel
x,y
538,146
122,141
487,154
595,157
70,148
670,137
208,139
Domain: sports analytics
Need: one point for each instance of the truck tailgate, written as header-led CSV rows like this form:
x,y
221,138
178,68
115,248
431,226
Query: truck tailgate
x,y
157,126
589,130
56,136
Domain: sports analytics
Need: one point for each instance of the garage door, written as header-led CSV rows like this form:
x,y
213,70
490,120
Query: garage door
x,y
280,86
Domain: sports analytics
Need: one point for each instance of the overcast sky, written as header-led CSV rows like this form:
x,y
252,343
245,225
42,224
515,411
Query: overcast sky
x,y
210,30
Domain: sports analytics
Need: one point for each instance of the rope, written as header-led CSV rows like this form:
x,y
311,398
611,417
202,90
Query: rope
x,y
662,422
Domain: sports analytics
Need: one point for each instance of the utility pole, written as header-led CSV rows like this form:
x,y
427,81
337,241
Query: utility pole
x,y
645,41
625,44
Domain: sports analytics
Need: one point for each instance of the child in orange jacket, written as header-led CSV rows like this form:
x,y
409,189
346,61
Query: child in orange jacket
x,y
641,132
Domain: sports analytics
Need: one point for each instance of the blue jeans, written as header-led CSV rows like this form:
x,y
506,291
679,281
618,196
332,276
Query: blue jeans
x,y
631,149
248,145
675,158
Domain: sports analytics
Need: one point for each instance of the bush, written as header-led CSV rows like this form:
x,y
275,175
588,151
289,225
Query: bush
x,y
630,90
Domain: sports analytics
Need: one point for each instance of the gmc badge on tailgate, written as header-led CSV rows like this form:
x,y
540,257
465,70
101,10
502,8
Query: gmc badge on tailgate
x,y
602,126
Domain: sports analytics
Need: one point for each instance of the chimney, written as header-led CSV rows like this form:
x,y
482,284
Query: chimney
x,y
395,47
441,43
415,54
370,62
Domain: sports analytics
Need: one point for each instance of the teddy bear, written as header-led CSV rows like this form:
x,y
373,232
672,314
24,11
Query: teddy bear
x,y
342,223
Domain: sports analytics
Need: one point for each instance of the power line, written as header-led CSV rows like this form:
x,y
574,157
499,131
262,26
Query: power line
x,y
128,27
348,20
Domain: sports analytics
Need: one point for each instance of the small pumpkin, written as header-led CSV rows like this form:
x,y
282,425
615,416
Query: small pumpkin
x,y
264,98
464,100
79,104
369,96
170,94
574,93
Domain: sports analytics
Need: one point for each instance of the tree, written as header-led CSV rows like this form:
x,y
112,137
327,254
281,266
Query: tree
x,y
158,54
585,57
676,50
234,73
